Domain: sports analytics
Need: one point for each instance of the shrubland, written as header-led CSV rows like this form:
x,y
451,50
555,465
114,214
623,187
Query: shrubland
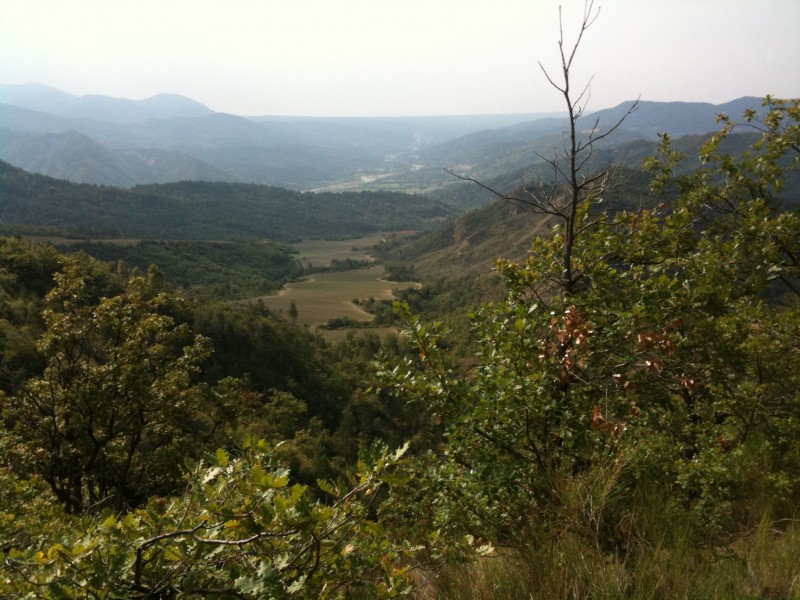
x,y
125,434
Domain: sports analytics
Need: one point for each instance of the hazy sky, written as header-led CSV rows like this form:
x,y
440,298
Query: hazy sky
x,y
400,57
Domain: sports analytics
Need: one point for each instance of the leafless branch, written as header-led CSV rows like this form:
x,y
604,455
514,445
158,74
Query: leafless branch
x,y
572,188
526,203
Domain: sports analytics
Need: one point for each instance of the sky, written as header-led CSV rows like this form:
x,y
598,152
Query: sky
x,y
401,57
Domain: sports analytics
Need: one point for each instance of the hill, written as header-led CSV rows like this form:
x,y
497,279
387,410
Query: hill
x,y
495,152
205,210
78,158
501,228
470,242
297,152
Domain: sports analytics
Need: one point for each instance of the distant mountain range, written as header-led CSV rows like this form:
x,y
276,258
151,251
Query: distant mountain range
x,y
121,142
46,99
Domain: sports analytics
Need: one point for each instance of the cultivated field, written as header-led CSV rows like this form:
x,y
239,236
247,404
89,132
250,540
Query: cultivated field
x,y
320,253
327,296
324,296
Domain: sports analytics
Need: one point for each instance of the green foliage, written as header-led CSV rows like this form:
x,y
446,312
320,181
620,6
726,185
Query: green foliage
x,y
300,391
239,530
233,269
115,407
614,424
342,323
665,352
270,354
26,274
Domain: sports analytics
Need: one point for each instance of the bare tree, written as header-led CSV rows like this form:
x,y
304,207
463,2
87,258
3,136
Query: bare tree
x,y
575,185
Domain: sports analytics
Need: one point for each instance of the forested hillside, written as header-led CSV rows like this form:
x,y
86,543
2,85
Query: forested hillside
x,y
205,210
215,269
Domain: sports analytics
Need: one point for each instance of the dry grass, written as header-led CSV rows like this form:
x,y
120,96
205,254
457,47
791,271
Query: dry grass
x,y
660,556
763,566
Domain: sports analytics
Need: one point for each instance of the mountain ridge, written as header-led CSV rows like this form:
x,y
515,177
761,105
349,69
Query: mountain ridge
x,y
99,107
403,153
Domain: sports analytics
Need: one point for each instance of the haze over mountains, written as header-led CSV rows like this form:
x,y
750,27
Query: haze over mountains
x,y
167,138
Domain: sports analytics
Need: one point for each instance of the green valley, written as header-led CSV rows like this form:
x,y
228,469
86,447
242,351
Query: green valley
x,y
569,369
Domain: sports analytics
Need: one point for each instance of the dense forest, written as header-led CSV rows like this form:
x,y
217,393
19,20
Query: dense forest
x,y
221,269
612,413
197,210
